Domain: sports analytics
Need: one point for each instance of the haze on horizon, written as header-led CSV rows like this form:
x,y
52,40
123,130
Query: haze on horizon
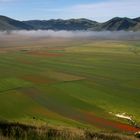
x,y
103,35
99,10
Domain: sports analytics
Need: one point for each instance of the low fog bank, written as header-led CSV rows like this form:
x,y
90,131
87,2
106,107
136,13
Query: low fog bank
x,y
116,35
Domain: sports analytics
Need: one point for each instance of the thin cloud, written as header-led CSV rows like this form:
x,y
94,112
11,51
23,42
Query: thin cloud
x,y
116,35
100,11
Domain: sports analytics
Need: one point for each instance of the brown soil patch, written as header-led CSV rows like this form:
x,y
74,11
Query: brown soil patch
x,y
37,79
110,124
3,50
32,92
24,61
44,53
56,49
63,77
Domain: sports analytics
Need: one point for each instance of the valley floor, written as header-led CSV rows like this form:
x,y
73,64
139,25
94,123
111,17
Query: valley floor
x,y
71,83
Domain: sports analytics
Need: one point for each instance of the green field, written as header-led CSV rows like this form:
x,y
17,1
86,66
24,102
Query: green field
x,y
69,82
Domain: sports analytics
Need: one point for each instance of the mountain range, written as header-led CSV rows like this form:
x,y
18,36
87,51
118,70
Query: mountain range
x,y
115,24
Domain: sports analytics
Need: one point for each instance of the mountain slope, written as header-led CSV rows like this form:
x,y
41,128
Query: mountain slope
x,y
59,24
11,24
115,24
137,19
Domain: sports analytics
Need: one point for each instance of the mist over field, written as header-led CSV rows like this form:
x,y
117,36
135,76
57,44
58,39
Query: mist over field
x,y
116,35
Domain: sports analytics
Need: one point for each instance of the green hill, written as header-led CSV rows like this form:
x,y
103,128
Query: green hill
x,y
115,24
11,24
59,24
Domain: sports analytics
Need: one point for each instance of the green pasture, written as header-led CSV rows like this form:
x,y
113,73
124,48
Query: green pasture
x,y
95,76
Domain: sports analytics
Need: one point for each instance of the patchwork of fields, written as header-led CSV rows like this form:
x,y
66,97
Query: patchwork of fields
x,y
69,82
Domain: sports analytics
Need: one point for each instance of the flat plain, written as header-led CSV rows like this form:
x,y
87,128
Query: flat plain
x,y
82,83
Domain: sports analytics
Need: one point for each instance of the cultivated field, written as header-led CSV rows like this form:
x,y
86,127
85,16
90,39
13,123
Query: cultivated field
x,y
80,83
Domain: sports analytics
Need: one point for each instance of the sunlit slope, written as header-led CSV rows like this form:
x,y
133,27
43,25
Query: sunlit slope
x,y
85,84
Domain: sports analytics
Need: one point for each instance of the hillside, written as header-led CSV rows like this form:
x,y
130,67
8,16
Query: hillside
x,y
59,24
115,24
11,24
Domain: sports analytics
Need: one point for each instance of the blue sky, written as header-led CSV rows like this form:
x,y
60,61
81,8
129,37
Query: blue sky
x,y
99,10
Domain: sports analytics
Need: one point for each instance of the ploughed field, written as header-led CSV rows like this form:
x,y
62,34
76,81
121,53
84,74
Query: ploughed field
x,y
71,82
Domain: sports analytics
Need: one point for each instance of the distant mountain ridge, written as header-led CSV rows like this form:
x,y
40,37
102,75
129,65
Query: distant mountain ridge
x,y
115,24
59,24
7,23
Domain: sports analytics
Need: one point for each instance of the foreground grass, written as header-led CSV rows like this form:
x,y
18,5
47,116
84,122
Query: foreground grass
x,y
11,131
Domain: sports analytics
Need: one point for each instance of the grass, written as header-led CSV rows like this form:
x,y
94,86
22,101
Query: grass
x,y
69,80
25,132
